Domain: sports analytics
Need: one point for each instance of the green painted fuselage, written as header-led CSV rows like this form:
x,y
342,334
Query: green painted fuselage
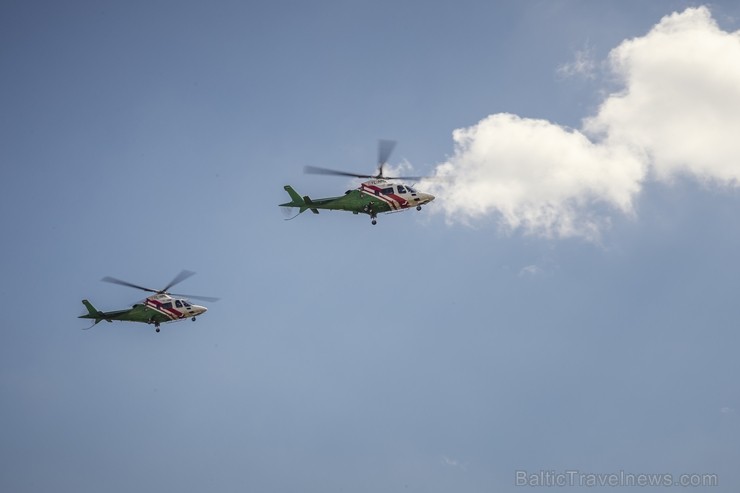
x,y
352,201
137,313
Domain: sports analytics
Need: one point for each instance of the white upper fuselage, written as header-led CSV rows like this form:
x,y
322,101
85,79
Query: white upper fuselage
x,y
174,308
397,195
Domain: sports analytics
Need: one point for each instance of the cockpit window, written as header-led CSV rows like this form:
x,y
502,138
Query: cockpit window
x,y
185,304
401,189
178,303
410,190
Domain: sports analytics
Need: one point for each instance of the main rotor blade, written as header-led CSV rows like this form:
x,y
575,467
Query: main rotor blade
x,y
193,297
178,279
124,283
315,170
411,178
385,148
326,171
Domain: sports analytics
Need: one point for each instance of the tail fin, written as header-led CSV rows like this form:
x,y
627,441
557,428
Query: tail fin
x,y
92,312
302,203
296,199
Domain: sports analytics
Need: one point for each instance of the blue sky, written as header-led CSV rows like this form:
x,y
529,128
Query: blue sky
x,y
566,304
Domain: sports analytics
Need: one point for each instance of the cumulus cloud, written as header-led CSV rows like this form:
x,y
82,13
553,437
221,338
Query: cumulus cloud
x,y
680,106
536,175
677,113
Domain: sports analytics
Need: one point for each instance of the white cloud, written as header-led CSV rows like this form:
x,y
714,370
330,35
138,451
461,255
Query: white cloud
x,y
453,462
530,271
680,106
678,113
535,175
583,65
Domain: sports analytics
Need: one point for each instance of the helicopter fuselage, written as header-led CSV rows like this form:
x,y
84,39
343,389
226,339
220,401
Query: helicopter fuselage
x,y
372,197
155,309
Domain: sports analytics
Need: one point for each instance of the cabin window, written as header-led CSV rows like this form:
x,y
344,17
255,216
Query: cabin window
x,y
401,189
167,305
178,303
387,191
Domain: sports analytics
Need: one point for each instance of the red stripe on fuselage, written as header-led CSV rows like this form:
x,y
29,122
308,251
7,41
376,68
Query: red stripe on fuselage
x,y
392,199
159,306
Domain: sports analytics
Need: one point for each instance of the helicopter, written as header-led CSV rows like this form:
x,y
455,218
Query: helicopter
x,y
155,309
377,194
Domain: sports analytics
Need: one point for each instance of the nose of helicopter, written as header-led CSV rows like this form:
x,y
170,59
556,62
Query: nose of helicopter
x,y
426,197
